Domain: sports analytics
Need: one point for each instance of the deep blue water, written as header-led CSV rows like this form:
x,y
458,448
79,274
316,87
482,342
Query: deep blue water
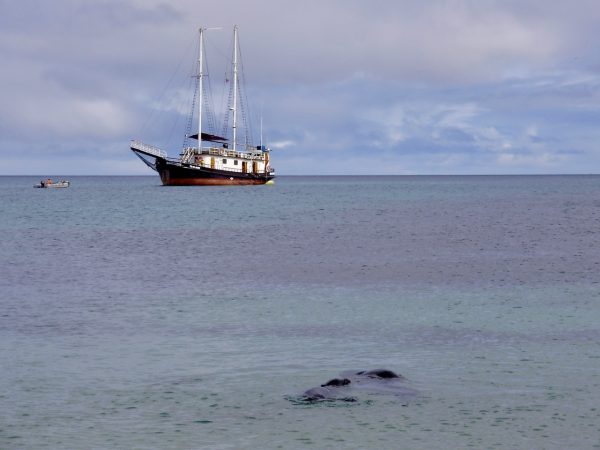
x,y
140,316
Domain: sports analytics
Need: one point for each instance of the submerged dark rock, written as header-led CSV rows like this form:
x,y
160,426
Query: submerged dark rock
x,y
384,374
322,394
376,381
337,382
316,394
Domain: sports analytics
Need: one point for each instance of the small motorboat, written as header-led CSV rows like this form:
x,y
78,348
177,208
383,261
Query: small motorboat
x,y
52,184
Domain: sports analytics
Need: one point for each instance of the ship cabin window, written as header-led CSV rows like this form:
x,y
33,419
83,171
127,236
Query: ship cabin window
x,y
224,160
235,162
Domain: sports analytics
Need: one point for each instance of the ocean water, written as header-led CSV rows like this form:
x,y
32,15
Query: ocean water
x,y
137,316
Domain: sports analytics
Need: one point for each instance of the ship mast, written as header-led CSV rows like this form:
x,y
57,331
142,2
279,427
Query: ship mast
x,y
201,99
235,81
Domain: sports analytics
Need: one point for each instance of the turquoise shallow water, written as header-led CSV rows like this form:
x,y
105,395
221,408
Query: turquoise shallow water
x,y
141,316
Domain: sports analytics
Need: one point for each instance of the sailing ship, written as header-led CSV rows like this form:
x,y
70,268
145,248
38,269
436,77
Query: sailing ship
x,y
224,161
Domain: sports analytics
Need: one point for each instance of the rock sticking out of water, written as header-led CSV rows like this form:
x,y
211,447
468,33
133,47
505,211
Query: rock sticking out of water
x,y
377,381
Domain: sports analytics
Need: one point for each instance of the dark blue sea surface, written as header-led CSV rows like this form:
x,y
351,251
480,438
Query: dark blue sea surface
x,y
134,315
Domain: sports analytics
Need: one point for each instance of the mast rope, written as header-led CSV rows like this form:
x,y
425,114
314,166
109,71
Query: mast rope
x,y
242,99
188,129
208,111
248,138
157,112
209,108
228,105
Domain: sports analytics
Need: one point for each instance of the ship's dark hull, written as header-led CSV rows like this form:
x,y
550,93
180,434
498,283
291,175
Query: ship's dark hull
x,y
177,174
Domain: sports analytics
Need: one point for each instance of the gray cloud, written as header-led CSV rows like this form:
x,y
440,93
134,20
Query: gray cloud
x,y
451,86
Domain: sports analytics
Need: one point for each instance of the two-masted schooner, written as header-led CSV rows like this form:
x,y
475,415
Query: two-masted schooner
x,y
224,161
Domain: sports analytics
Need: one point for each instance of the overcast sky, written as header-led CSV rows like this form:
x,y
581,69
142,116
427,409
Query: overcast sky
x,y
345,86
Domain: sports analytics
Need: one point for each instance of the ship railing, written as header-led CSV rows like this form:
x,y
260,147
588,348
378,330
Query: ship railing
x,y
213,151
146,148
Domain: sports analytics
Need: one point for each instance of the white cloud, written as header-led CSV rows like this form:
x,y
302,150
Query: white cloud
x,y
66,117
461,84
281,144
531,162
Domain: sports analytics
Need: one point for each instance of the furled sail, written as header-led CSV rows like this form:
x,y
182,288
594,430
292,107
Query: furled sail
x,y
209,137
